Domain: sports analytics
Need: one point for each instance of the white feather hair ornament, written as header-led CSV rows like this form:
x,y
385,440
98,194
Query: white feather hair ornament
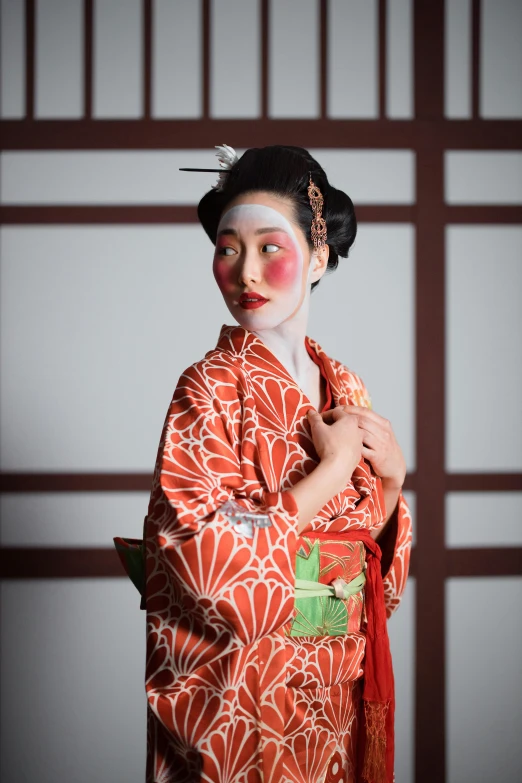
x,y
227,157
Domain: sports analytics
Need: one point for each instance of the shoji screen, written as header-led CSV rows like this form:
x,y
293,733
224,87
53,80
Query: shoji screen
x,y
106,296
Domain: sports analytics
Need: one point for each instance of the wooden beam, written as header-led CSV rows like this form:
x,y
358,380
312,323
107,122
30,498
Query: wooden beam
x,y
430,401
195,134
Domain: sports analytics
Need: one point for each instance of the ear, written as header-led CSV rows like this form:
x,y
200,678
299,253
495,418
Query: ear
x,y
319,263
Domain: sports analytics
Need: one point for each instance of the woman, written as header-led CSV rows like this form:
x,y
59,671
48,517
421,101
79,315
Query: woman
x,y
274,479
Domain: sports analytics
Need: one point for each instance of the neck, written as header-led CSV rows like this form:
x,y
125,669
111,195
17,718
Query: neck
x,y
287,342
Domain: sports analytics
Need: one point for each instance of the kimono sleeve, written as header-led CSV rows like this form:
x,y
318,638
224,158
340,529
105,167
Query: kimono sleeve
x,y
216,585
395,543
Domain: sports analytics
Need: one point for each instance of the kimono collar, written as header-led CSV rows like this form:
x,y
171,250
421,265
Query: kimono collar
x,y
244,344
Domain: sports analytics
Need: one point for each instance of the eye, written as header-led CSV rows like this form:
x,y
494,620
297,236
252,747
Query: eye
x,y
271,248
223,251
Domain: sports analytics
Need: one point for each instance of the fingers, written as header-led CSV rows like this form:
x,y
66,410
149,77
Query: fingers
x,y
337,419
315,419
369,455
338,413
327,416
331,416
369,439
334,414
367,419
368,415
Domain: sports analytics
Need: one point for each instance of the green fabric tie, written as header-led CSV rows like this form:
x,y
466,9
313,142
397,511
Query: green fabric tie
x,y
319,608
304,588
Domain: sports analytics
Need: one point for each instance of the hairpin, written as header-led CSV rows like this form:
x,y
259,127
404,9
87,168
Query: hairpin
x,y
227,157
318,228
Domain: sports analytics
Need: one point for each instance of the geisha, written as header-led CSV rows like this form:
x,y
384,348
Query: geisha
x,y
277,537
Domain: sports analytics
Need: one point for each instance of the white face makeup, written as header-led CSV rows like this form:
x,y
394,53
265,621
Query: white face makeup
x,y
259,266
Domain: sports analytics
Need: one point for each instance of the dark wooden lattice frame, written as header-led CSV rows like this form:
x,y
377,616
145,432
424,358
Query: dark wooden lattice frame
x,y
429,135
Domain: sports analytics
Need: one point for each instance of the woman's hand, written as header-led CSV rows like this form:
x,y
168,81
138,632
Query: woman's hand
x,y
338,441
380,446
381,449
338,446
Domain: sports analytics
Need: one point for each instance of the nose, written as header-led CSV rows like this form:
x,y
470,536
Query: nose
x,y
250,268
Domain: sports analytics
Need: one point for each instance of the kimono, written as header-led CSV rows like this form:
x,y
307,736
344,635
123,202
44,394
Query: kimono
x,y
245,682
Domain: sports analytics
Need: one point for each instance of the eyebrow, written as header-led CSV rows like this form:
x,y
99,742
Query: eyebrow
x,y
267,230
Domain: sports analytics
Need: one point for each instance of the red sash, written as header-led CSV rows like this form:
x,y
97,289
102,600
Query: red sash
x,y
376,744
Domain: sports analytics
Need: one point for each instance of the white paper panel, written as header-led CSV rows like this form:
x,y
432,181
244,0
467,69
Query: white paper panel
x,y
401,629
105,177
73,519
176,59
484,674
293,58
118,58
352,57
483,177
371,176
235,74
363,315
152,176
105,318
484,362
72,672
501,59
399,59
59,58
12,59
457,59
483,519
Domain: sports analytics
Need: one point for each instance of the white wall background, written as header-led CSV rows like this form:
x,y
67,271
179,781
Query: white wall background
x,y
96,326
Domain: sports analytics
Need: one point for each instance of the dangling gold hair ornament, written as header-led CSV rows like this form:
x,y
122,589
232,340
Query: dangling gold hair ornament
x,y
227,157
318,230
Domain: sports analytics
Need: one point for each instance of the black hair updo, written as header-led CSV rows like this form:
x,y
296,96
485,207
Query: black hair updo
x,y
284,171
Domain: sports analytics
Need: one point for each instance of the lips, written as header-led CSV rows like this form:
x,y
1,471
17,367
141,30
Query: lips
x,y
251,301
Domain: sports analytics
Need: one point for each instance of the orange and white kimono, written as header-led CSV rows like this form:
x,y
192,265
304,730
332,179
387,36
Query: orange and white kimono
x,y
243,684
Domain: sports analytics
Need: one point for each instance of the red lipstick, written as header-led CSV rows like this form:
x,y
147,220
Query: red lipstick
x,y
251,300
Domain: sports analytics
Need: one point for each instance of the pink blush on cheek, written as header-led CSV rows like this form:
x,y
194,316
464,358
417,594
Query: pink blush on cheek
x,y
223,273
285,271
